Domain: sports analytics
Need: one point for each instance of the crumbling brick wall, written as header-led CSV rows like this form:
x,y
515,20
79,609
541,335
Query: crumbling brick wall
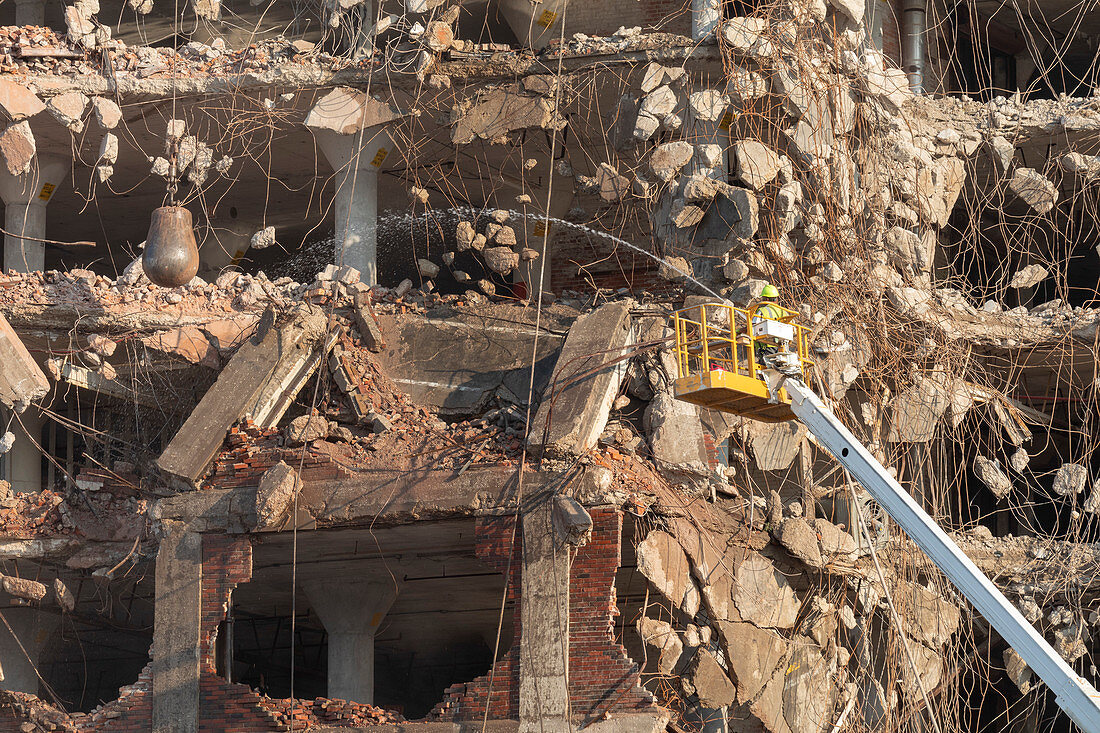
x,y
602,678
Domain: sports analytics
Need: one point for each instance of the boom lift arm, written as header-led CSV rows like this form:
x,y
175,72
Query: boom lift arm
x,y
1074,694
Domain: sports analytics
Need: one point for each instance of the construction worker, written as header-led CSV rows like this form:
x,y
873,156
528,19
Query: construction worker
x,y
767,310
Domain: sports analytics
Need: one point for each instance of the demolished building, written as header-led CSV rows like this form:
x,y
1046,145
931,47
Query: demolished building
x,y
406,451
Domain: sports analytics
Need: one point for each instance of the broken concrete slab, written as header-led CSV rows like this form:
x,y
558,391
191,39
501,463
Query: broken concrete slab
x,y
756,164
917,411
932,620
762,594
22,381
1034,189
18,147
661,637
1070,479
260,380
989,473
774,445
752,654
345,111
732,215
1028,276
663,562
578,400
499,112
709,681
675,434
188,343
668,159
457,363
807,690
17,102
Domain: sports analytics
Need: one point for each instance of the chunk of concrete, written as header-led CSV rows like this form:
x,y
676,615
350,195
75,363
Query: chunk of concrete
x,y
808,691
107,113
306,429
663,562
1034,189
756,164
753,654
668,159
17,145
762,594
1070,479
345,110
989,473
748,37
17,102
660,636
501,111
68,109
733,214
852,9
22,381
932,620
1017,670
709,681
583,388
25,588
1029,276
275,495
918,409
800,539
659,103
675,433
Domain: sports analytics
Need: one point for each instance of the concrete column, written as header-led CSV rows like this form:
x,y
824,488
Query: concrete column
x,y
536,23
30,12
32,628
351,611
25,197
357,159
177,629
544,625
223,247
23,463
705,17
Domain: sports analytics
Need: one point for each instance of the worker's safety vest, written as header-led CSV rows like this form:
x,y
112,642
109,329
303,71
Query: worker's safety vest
x,y
771,312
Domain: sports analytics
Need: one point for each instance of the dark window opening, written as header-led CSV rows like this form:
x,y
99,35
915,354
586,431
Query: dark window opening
x,y
440,629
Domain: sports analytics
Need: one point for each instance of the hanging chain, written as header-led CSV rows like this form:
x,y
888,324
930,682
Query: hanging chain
x,y
173,174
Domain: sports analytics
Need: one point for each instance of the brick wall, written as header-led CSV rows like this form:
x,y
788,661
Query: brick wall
x,y
602,678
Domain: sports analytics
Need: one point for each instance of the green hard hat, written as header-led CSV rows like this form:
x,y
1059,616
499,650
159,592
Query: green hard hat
x,y
769,291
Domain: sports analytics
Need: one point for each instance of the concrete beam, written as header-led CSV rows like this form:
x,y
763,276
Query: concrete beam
x,y
177,633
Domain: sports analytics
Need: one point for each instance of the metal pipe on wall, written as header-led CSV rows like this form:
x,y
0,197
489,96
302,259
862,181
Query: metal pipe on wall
x,y
914,24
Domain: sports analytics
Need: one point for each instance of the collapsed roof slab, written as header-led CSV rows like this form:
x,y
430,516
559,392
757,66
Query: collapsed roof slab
x,y
260,380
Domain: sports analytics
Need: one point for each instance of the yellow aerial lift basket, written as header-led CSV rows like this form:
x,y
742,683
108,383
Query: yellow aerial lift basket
x,y
719,354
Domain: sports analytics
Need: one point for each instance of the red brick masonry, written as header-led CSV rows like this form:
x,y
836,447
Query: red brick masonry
x,y
602,678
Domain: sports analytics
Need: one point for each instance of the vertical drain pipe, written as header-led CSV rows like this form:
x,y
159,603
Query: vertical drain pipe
x,y
914,23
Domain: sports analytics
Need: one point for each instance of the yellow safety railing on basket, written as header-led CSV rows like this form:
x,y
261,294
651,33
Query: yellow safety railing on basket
x,y
720,337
